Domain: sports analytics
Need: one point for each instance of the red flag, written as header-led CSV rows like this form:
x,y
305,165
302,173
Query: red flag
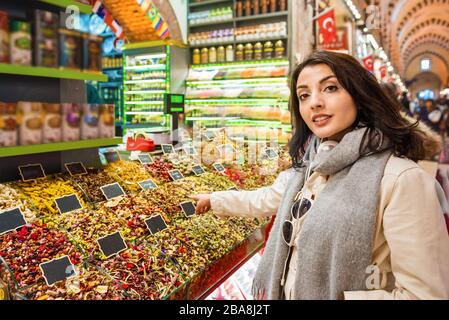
x,y
368,62
327,27
383,71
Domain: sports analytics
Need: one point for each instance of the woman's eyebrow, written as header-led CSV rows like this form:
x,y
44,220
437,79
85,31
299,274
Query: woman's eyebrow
x,y
321,81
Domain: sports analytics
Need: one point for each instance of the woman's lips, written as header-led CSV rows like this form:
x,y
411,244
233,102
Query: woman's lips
x,y
321,121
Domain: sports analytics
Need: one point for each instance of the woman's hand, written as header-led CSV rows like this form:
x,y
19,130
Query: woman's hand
x,y
203,202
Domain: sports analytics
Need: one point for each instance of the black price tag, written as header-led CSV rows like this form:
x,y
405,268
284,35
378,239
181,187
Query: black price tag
x,y
175,175
112,191
271,153
11,219
219,167
112,156
112,244
68,204
76,168
156,224
198,170
210,135
188,208
57,270
148,184
233,189
226,150
31,172
191,151
145,158
167,148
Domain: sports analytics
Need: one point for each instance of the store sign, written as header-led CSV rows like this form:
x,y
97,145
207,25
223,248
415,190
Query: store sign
x,y
57,270
176,175
191,151
340,42
198,170
174,103
112,156
271,153
11,219
156,224
31,172
68,204
75,168
148,185
188,208
167,148
145,158
112,244
112,191
219,167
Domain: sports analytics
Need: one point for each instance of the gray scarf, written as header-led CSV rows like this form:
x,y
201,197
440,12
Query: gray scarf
x,y
336,240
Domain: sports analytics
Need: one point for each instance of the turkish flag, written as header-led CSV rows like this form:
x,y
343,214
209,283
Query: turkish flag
x,y
368,62
327,27
383,71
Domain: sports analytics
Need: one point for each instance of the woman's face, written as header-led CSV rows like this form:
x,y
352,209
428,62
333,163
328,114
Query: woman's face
x,y
326,107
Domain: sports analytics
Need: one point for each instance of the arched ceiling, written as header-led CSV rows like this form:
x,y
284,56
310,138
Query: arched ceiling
x,y
411,29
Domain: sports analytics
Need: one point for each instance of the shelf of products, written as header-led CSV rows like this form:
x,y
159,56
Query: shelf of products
x,y
199,3
55,147
239,75
146,80
187,260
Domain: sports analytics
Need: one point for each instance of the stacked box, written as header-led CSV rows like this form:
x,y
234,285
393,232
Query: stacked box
x,y
46,39
89,125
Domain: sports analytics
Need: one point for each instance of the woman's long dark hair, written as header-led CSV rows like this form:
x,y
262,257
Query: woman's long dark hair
x,y
375,109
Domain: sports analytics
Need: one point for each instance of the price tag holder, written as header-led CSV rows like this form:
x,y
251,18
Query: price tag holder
x,y
11,219
68,203
198,170
210,135
167,148
219,167
112,156
57,270
31,172
188,208
271,153
145,158
176,175
111,191
189,150
233,189
156,224
148,184
75,168
112,244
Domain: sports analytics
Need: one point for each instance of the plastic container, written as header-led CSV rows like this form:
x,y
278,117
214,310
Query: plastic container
x,y
8,125
92,52
70,43
31,123
4,37
20,43
52,130
46,52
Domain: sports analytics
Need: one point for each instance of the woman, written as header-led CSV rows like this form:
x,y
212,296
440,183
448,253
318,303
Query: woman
x,y
357,218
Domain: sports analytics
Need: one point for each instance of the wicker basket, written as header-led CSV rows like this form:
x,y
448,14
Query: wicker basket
x,y
135,23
